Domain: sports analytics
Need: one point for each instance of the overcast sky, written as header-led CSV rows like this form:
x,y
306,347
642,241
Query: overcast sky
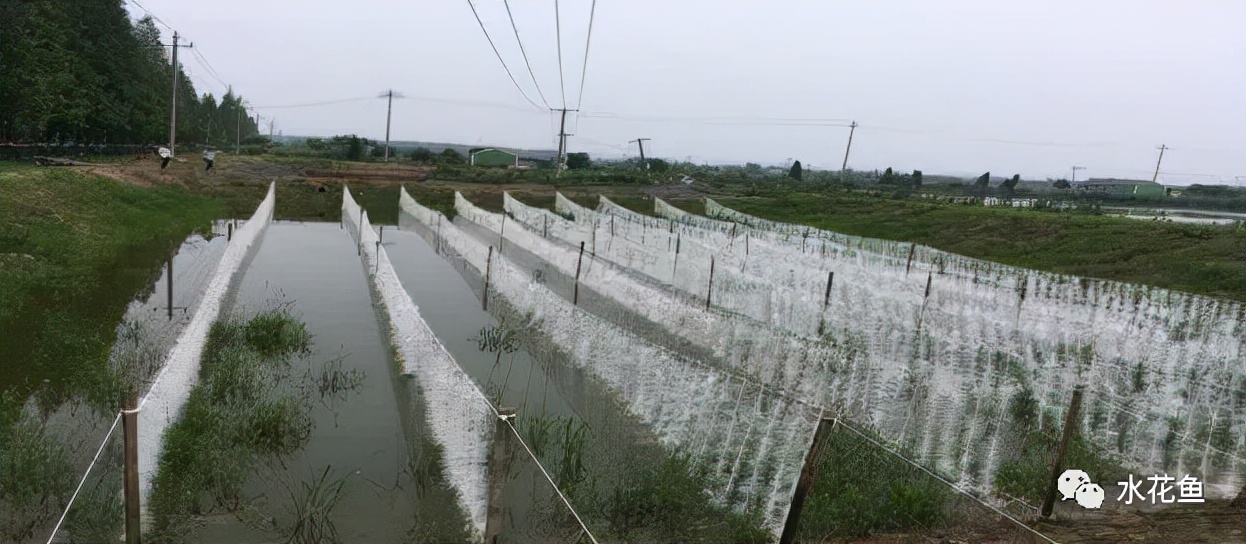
x,y
959,87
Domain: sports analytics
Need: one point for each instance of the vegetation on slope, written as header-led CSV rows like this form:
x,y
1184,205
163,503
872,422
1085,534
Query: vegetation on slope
x,y
75,250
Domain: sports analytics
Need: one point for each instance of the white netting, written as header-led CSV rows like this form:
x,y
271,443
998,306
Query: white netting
x,y
460,416
937,372
750,440
162,404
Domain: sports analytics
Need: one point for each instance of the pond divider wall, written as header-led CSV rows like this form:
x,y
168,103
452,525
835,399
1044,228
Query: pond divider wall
x,y
752,443
461,417
162,405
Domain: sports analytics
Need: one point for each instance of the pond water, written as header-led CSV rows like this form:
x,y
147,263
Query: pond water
x,y
360,438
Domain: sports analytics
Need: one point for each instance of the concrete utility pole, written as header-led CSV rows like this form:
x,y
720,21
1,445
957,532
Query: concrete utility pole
x,y
1161,149
562,139
173,101
1075,169
390,94
641,142
851,131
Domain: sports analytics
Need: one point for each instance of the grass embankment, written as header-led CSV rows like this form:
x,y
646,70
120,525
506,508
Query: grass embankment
x,y
75,250
1202,259
238,415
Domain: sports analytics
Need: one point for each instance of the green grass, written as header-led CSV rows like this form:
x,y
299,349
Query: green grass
x,y
1202,259
75,250
860,489
237,416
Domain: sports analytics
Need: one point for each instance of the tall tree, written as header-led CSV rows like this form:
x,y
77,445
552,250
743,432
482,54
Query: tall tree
x,y
1010,185
90,75
796,172
982,183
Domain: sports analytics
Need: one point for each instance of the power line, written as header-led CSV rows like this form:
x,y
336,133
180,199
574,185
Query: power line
x,y
313,104
150,14
207,68
723,120
451,101
525,53
584,71
499,55
558,33
208,65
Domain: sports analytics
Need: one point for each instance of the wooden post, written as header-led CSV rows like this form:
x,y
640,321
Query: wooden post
x,y
1071,423
746,243
501,452
675,265
376,258
612,225
381,236
929,277
502,234
826,302
709,291
484,297
229,232
169,287
544,226
826,298
807,474
129,422
575,298
912,249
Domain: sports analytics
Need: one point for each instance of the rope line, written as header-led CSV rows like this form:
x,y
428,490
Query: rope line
x,y
551,482
83,481
838,421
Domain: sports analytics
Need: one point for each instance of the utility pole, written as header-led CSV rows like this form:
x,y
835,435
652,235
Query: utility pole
x,y
562,139
1075,169
390,94
641,142
851,131
1161,148
173,101
270,129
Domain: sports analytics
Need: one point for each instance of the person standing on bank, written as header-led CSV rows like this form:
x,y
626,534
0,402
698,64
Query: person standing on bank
x,y
209,159
165,156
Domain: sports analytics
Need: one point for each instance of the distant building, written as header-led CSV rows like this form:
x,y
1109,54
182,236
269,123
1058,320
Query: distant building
x,y
493,157
1123,187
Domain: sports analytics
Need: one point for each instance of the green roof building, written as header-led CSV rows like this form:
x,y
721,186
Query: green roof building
x,y
494,157
1124,187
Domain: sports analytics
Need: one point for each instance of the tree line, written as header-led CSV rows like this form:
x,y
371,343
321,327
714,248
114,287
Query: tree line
x,y
85,73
